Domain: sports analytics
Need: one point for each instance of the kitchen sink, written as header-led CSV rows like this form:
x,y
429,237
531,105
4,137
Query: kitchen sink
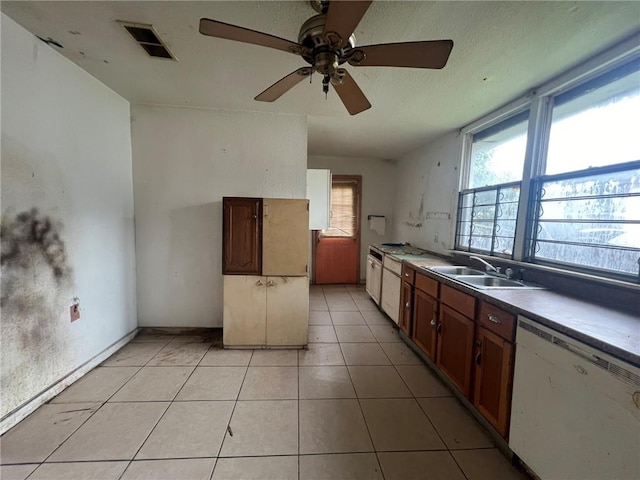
x,y
488,281
477,278
456,270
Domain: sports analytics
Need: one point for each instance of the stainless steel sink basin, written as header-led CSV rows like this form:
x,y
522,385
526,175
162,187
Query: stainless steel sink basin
x,y
488,281
456,270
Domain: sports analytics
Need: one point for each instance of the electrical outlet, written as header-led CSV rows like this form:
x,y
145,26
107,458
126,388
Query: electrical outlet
x,y
74,310
435,238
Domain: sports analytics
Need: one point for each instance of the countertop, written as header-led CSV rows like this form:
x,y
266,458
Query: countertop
x,y
614,332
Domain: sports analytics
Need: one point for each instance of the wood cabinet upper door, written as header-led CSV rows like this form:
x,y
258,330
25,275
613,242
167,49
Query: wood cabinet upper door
x,y
493,379
425,319
242,236
285,237
406,308
455,348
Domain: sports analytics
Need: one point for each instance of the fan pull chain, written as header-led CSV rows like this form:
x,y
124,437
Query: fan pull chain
x,y
325,86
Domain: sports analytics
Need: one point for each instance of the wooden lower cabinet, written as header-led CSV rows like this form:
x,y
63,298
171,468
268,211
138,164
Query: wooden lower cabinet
x,y
493,378
406,308
425,320
265,311
455,348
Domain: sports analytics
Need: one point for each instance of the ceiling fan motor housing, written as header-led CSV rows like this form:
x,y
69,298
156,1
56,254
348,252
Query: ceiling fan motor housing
x,y
312,36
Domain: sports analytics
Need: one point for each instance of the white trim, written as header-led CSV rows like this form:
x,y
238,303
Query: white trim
x,y
20,413
622,53
502,113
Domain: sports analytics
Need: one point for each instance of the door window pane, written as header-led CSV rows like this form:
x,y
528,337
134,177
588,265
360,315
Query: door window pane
x,y
344,209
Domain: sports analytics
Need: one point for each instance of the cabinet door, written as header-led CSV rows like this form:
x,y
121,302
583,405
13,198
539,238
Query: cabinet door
x,y
493,379
241,236
319,195
244,315
285,237
390,300
406,308
455,348
425,319
287,311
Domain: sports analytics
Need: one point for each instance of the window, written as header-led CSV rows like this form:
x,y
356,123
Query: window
x,y
497,153
344,208
488,208
487,219
590,219
582,179
587,209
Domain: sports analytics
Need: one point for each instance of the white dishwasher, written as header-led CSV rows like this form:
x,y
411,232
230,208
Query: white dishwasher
x,y
391,285
575,410
374,274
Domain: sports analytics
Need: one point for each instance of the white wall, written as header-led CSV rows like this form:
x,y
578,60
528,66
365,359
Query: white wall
x,y
185,161
427,194
67,217
378,191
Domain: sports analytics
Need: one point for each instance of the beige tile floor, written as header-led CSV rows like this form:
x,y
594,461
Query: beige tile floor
x,y
357,404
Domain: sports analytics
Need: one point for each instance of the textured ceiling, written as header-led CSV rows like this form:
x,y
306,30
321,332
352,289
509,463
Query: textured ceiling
x,y
502,49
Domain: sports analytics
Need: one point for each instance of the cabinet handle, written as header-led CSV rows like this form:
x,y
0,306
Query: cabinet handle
x,y
439,327
433,322
254,217
270,283
478,358
407,304
494,318
406,274
259,283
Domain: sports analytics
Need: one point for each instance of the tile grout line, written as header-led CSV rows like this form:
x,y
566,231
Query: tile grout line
x,y
170,402
364,418
102,404
235,404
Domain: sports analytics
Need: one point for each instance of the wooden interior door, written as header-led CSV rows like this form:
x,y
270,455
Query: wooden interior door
x,y
337,249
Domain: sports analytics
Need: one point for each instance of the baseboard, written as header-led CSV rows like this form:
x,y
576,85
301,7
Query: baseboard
x,y
21,412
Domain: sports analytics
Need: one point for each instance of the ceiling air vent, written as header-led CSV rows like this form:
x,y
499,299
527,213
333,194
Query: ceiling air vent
x,y
148,39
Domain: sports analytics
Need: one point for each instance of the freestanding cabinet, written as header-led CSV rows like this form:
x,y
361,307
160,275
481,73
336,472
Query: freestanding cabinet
x,y
265,263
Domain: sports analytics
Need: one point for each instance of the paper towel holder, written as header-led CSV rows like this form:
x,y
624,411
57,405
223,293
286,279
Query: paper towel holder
x,y
369,217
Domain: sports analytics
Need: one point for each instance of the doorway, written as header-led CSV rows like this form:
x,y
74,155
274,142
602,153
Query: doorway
x,y
337,249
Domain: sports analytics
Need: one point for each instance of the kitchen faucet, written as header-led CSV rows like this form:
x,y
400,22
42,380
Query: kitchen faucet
x,y
487,265
491,270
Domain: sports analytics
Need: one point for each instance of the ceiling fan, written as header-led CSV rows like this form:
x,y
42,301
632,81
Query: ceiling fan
x,y
326,41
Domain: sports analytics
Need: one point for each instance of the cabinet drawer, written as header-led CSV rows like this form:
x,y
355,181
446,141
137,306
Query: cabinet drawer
x,y
463,303
427,285
392,264
408,274
497,321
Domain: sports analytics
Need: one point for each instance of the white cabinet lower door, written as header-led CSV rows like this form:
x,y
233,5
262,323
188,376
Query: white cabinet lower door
x,y
390,301
265,311
287,311
374,278
245,304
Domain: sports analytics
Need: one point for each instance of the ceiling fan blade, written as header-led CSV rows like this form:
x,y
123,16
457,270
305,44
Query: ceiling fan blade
x,y
213,28
343,17
350,94
429,54
283,85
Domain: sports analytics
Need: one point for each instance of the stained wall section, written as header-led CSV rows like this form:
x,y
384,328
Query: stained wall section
x,y
67,217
